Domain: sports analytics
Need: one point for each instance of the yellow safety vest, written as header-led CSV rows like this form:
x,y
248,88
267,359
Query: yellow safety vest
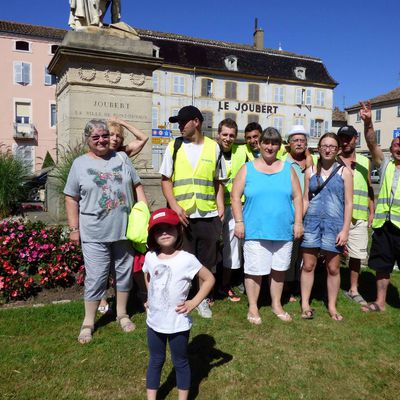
x,y
360,194
387,208
238,158
282,153
194,189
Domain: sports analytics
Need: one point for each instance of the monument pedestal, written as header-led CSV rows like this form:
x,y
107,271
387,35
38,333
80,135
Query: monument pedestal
x,y
104,72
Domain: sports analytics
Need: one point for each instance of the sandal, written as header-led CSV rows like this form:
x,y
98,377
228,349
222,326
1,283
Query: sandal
x,y
356,297
125,323
284,316
337,317
85,335
371,307
308,314
253,319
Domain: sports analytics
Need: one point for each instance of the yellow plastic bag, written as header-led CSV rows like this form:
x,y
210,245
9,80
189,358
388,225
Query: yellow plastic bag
x,y
137,226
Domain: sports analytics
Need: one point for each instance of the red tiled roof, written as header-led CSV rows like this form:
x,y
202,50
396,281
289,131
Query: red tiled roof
x,y
393,95
17,28
338,115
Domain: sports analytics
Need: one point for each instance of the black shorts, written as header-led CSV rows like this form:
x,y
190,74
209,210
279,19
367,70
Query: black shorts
x,y
385,248
202,237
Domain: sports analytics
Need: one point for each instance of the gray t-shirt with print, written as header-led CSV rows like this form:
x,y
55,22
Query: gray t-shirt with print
x,y
105,191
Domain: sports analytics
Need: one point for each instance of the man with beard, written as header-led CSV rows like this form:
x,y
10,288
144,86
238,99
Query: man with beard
x,y
385,248
363,207
252,134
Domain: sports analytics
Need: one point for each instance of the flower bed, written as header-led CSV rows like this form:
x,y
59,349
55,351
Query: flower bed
x,y
34,256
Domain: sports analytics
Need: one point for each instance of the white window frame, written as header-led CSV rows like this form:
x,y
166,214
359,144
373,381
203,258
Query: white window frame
x,y
320,101
278,122
155,81
52,104
21,65
299,96
398,110
208,115
308,97
154,117
23,101
175,126
279,94
378,136
179,84
378,115
50,46
209,87
22,51
298,121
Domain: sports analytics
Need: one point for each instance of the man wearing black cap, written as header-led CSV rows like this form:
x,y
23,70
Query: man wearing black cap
x,y
192,170
363,207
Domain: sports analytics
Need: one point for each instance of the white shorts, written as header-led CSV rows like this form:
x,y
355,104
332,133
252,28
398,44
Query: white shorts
x,y
260,256
357,242
232,250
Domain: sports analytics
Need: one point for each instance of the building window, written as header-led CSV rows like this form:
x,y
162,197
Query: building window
x,y
53,115
155,81
326,126
278,94
22,113
252,118
378,115
320,98
358,117
154,117
398,111
358,143
230,90
174,127
278,124
21,45
308,97
26,154
316,127
231,116
298,121
22,73
208,120
53,48
206,87
254,92
49,79
156,51
378,136
179,84
300,96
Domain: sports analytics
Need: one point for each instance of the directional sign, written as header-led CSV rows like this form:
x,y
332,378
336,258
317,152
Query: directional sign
x,y
396,133
160,140
159,133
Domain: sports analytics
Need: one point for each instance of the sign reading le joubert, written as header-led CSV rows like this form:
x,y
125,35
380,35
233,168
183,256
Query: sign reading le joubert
x,y
247,107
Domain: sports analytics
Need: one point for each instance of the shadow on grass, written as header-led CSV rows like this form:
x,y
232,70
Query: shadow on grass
x,y
367,287
203,356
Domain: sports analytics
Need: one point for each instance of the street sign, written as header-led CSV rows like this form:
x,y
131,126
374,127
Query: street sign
x,y
158,133
160,140
396,133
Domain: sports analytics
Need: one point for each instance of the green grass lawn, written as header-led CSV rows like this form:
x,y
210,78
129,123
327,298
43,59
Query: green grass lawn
x,y
358,358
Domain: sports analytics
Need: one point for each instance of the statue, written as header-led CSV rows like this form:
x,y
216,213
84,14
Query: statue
x,y
91,12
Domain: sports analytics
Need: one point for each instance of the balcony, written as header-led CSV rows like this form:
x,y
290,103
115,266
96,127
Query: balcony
x,y
24,131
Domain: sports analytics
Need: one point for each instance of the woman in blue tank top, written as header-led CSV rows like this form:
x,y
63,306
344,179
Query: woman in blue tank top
x,y
328,203
270,219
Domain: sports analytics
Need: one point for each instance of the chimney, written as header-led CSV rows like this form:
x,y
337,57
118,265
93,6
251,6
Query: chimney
x,y
258,36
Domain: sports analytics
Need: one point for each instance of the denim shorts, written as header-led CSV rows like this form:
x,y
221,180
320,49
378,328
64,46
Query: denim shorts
x,y
321,233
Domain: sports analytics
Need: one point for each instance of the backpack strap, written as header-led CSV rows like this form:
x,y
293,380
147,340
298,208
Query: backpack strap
x,y
177,144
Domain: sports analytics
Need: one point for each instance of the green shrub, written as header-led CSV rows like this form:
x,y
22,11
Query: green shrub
x,y
66,158
13,174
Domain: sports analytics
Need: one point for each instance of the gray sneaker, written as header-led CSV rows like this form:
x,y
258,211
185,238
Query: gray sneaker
x,y
204,309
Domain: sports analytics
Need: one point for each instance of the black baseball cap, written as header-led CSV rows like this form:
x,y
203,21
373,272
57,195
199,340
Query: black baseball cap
x,y
187,114
347,130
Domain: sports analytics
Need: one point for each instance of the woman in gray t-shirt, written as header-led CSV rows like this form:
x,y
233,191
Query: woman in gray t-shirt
x,y
100,193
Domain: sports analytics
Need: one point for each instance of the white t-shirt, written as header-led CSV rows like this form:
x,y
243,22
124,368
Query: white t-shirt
x,y
193,151
170,281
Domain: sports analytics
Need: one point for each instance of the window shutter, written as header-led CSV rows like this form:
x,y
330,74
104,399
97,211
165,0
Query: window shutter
x,y
25,73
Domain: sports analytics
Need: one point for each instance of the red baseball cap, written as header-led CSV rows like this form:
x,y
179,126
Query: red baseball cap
x,y
163,216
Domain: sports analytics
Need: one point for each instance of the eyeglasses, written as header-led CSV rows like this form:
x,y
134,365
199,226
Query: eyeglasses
x,y
328,147
96,138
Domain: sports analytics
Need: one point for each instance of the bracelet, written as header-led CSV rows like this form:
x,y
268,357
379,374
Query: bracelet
x,y
73,230
238,221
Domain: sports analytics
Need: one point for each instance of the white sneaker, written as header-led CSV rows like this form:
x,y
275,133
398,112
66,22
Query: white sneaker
x,y
204,309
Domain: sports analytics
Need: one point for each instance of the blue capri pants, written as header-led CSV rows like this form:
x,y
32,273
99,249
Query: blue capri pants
x,y
178,343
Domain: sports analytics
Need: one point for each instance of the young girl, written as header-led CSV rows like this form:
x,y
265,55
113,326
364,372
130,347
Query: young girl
x,y
328,211
168,275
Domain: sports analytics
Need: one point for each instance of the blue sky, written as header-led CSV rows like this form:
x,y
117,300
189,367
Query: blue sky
x,y
357,40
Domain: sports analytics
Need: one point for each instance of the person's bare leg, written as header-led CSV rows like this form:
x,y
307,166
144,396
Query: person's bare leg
x,y
333,283
307,277
183,394
253,286
151,394
355,267
85,334
122,317
276,281
382,284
